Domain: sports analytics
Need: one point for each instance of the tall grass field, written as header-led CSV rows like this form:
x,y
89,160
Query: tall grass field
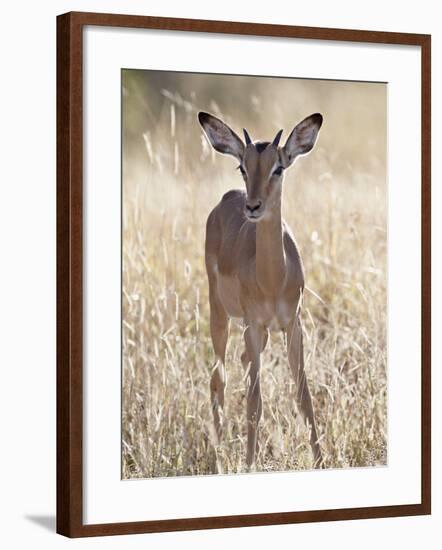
x,y
335,201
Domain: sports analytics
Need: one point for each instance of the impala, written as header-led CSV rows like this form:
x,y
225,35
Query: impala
x,y
254,268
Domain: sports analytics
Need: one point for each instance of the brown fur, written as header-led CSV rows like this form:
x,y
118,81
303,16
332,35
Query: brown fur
x,y
255,270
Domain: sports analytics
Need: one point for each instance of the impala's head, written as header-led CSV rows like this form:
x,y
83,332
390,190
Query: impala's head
x,y
262,163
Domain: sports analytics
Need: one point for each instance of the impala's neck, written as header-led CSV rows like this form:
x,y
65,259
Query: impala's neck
x,y
270,256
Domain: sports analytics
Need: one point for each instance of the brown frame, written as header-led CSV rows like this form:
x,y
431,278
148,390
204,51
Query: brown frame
x,y
70,267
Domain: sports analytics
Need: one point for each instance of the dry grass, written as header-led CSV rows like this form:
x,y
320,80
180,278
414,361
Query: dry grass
x,y
335,202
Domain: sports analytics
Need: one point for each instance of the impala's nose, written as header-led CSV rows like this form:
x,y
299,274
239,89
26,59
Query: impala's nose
x,y
252,206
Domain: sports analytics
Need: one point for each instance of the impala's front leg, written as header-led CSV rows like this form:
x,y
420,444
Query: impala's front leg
x,y
253,335
303,396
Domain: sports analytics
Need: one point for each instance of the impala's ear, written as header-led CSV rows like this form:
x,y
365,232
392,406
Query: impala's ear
x,y
222,138
302,139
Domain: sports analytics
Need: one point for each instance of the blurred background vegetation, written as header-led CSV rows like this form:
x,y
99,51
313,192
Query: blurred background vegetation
x,y
335,203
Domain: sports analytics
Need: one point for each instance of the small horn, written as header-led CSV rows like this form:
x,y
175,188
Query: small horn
x,y
247,137
277,138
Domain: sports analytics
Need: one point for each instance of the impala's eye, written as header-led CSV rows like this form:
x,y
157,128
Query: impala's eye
x,y
278,171
241,169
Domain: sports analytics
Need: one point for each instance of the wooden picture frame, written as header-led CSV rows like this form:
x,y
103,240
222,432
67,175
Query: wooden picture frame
x,y
70,267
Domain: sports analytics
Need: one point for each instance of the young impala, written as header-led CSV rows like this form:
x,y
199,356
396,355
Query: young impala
x,y
254,268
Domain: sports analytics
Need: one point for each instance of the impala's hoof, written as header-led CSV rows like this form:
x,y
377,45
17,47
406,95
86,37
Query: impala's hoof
x,y
318,463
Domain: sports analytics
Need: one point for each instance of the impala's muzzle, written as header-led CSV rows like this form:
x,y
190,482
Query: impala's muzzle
x,y
254,209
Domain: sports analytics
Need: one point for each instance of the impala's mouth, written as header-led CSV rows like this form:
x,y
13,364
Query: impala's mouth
x,y
254,217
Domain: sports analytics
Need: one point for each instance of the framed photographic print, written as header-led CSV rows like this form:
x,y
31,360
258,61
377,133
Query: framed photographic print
x,y
243,274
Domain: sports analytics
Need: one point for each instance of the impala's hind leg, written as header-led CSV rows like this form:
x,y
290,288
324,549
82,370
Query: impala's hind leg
x,y
219,330
303,396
